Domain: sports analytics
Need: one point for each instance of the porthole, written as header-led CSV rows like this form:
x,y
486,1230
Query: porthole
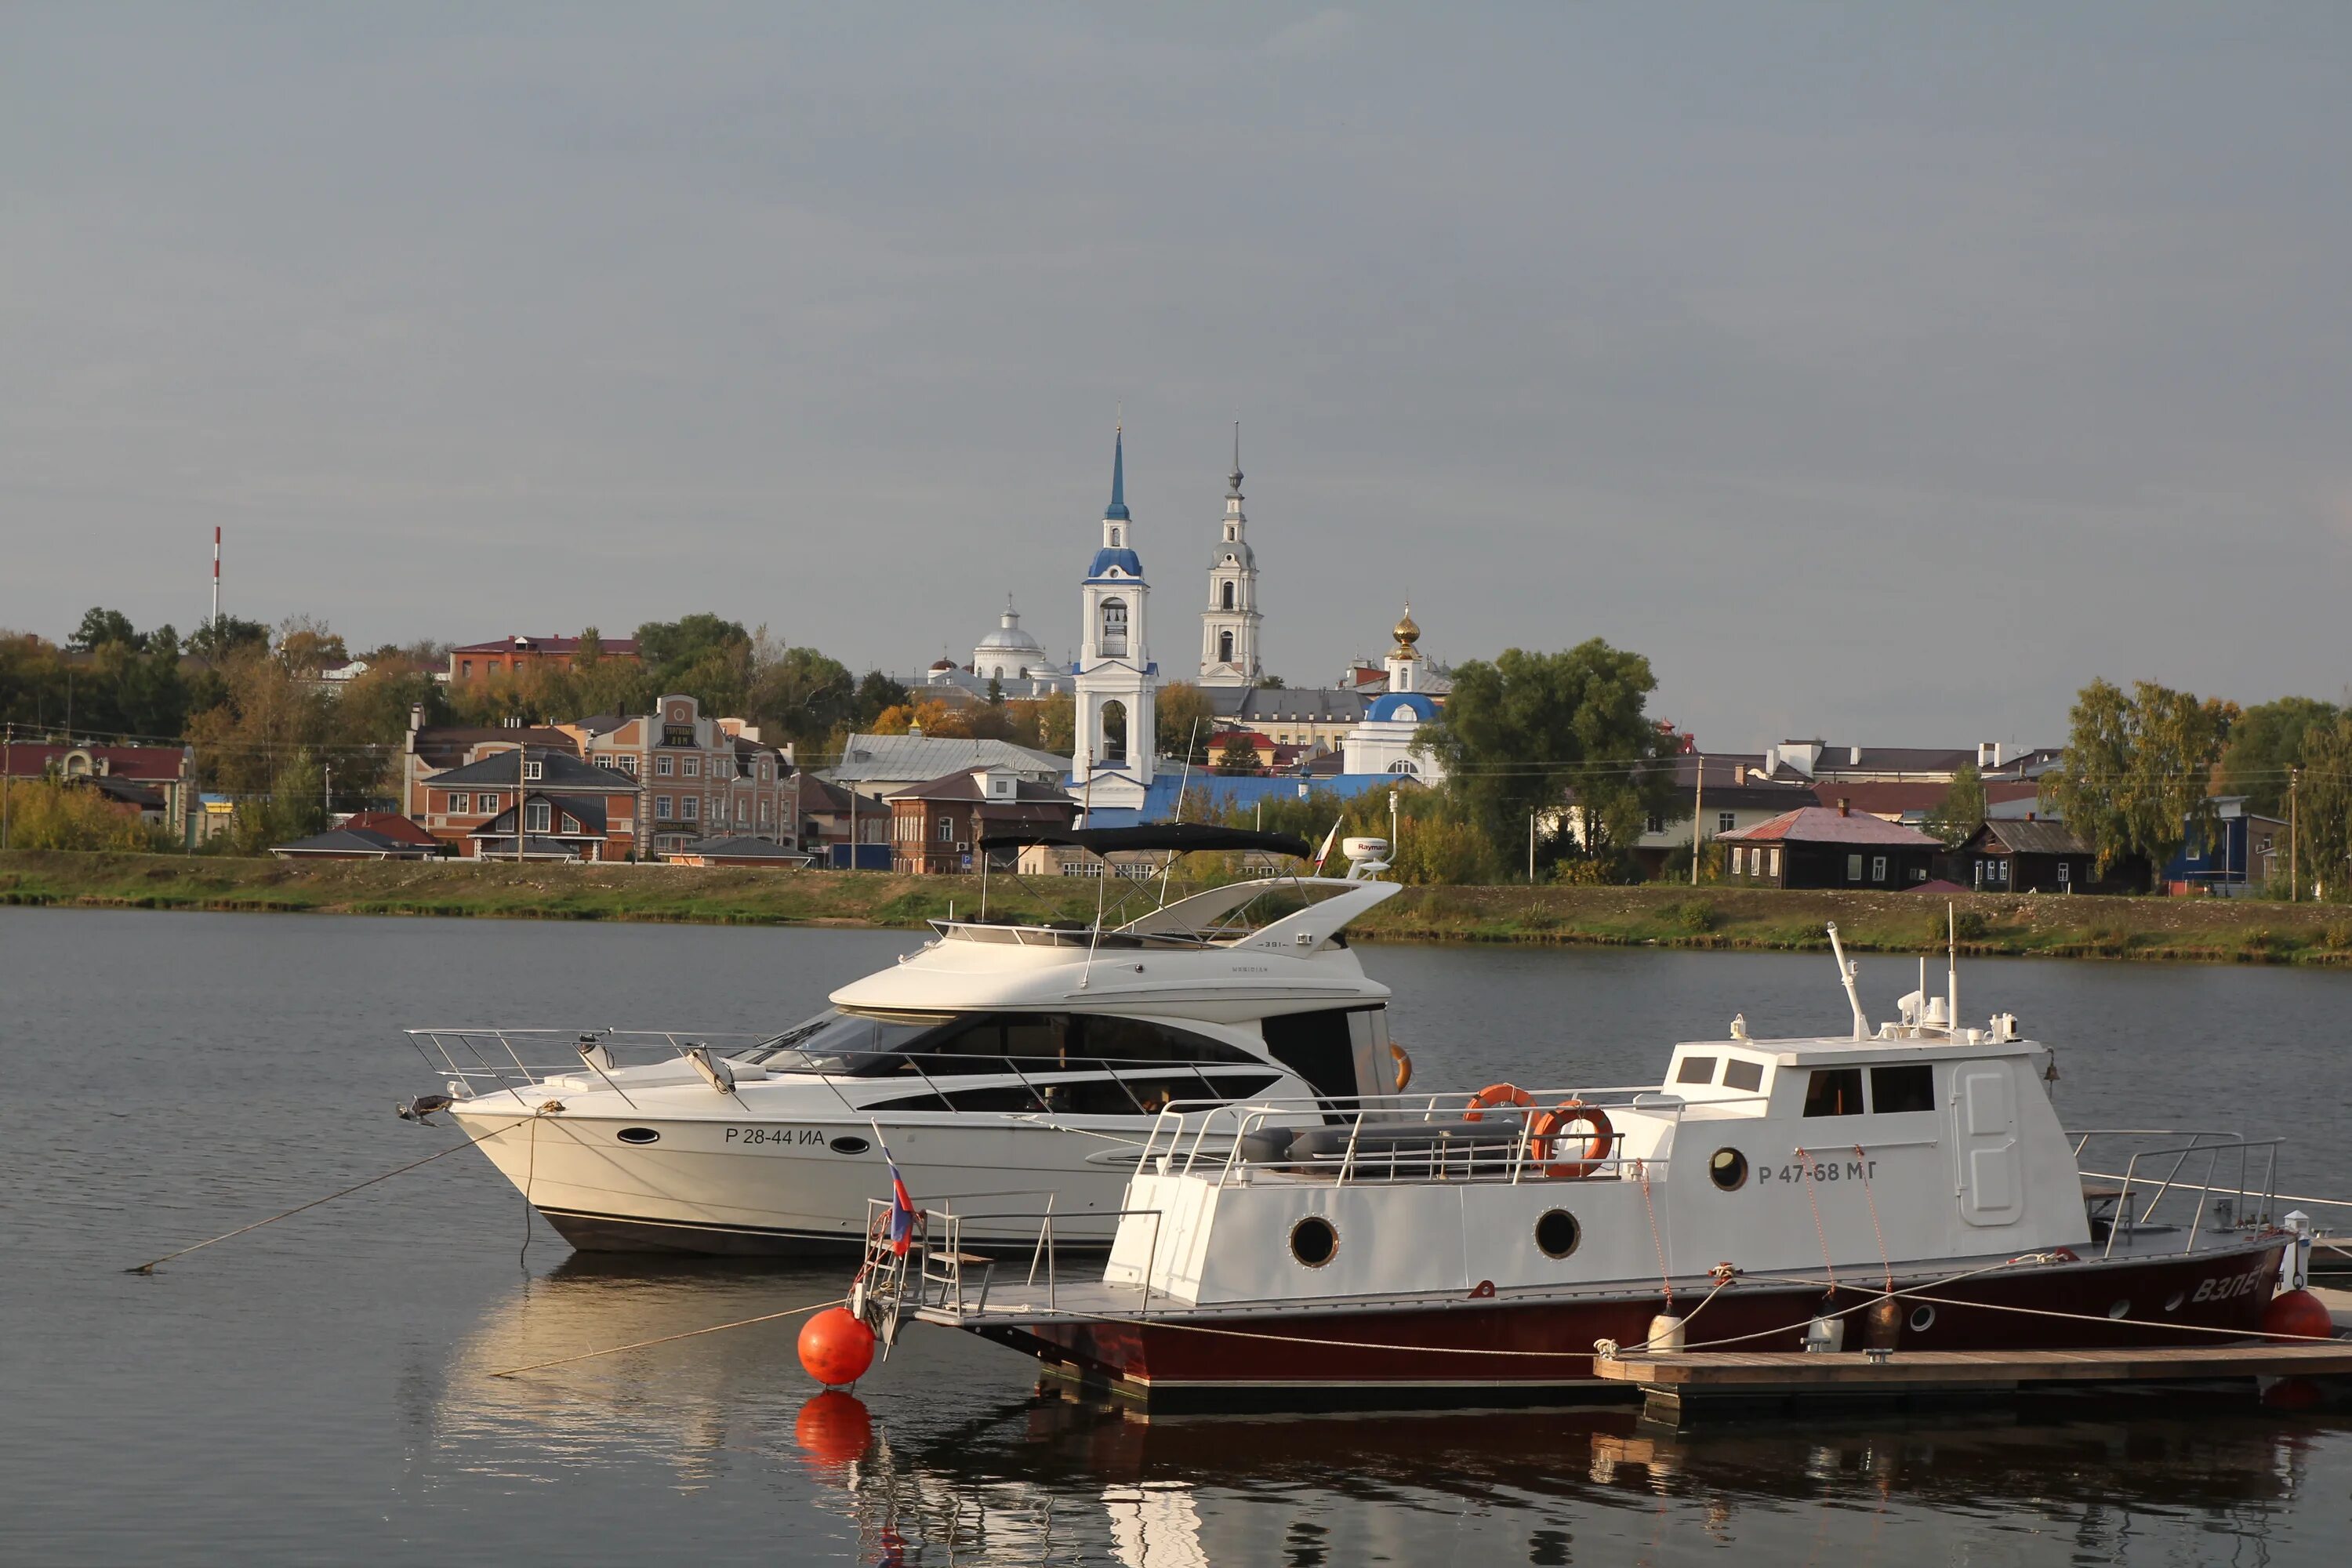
x,y
637,1136
1923,1318
2120,1309
1727,1169
850,1145
2172,1304
1312,1241
1557,1233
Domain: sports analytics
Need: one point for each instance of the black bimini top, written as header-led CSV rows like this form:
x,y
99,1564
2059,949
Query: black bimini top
x,y
1180,836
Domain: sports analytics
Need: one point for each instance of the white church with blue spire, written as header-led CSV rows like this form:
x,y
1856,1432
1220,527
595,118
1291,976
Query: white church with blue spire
x,y
1116,682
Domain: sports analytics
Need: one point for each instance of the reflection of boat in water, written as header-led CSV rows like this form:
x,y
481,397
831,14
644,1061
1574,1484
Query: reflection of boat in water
x,y
970,1469
1007,1065
1907,1188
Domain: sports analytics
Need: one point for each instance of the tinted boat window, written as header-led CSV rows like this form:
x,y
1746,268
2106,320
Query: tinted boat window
x,y
911,1103
838,1042
1003,1098
1745,1076
1697,1070
1893,1090
1834,1091
1145,1040
1317,1046
1091,1097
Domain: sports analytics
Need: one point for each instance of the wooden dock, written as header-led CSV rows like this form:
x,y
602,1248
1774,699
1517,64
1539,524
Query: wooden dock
x,y
1679,1386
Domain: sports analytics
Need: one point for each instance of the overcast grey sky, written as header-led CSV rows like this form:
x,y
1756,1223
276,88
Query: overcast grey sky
x,y
1881,371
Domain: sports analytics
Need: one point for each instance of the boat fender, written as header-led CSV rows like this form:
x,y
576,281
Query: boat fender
x,y
2298,1314
1548,1129
835,1348
1493,1096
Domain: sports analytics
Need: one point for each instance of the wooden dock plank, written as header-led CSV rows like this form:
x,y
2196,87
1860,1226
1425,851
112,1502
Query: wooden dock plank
x,y
1794,1372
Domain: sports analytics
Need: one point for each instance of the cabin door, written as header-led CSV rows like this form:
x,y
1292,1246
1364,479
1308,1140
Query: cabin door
x,y
1984,1117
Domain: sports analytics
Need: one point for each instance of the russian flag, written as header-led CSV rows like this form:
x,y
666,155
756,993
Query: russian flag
x,y
902,1214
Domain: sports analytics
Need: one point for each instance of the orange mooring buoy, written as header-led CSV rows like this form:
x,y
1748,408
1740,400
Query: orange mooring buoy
x,y
2299,1313
836,1347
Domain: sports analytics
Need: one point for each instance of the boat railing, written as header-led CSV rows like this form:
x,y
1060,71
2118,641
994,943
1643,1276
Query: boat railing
x,y
1444,1136
501,1060
2213,1173
488,1061
934,1273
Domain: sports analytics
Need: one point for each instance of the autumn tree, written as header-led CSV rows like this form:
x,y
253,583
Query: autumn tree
x,y
1184,720
2134,780
1239,754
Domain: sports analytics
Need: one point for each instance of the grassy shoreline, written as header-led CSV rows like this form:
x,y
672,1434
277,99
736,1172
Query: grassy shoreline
x,y
2212,930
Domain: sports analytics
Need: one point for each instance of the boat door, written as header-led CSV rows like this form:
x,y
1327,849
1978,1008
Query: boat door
x,y
1984,1126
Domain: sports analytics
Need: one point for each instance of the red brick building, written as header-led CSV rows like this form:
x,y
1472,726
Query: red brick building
x,y
936,827
511,655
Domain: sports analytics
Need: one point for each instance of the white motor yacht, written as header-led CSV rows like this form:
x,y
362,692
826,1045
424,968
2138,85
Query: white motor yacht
x,y
1005,1064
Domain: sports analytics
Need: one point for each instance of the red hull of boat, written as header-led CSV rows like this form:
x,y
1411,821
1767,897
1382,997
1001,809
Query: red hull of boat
x,y
1523,1350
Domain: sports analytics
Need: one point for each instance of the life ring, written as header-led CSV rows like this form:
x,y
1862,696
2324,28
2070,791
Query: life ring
x,y
1494,1095
1404,1066
1549,1127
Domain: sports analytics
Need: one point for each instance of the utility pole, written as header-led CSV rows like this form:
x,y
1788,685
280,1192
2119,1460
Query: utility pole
x,y
1393,827
7,778
2293,871
1698,819
1531,849
522,781
326,796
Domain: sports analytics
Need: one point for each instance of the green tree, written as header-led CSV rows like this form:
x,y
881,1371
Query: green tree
x,y
1239,754
100,627
1532,731
2134,780
2267,739
877,692
668,647
216,639
1962,808
803,694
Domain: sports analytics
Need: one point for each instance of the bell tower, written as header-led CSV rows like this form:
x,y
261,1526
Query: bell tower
x,y
1116,680
1229,626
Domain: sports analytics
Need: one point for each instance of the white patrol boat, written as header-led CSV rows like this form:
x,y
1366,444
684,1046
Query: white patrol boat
x,y
1004,1065
1905,1186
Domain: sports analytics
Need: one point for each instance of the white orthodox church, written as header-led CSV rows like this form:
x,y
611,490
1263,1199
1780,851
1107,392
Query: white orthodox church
x,y
1116,682
1229,626
1383,741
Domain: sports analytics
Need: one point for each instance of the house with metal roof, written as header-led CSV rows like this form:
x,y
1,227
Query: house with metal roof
x,y
936,825
878,764
2029,855
1816,846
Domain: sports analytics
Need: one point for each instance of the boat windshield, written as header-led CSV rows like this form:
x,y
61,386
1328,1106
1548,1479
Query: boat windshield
x,y
839,1042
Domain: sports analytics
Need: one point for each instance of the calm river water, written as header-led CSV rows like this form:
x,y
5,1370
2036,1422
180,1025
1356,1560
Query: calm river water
x,y
319,1390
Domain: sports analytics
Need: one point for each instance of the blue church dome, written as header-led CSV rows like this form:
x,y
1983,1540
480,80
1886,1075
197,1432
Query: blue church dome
x,y
1411,706
1127,561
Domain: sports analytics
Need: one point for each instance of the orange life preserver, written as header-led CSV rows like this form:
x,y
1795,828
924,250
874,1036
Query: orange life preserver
x,y
1404,1066
1547,1128
1494,1095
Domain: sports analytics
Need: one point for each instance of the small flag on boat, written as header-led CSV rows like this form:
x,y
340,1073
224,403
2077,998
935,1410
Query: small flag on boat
x,y
1324,852
902,1211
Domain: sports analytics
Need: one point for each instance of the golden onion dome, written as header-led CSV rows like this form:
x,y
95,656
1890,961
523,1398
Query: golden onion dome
x,y
1407,634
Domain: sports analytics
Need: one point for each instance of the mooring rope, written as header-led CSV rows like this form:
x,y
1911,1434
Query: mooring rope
x,y
149,1267
1656,1242
1865,1160
666,1338
1805,1168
